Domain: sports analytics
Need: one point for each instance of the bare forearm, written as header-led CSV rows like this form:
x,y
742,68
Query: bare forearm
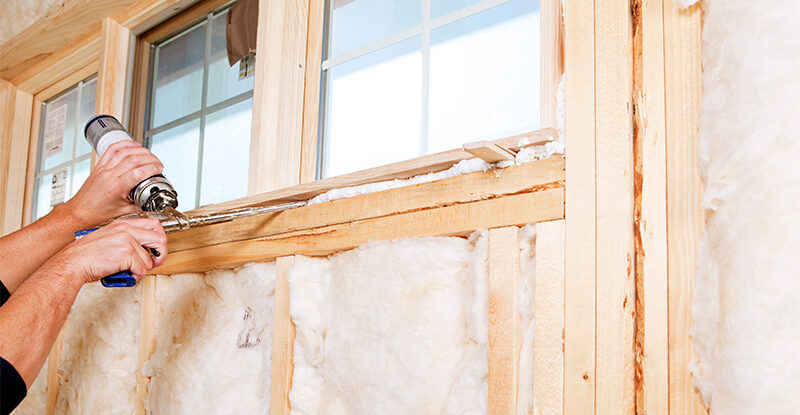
x,y
25,250
33,316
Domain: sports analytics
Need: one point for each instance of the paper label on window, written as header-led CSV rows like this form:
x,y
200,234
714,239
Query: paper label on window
x,y
54,131
247,66
58,189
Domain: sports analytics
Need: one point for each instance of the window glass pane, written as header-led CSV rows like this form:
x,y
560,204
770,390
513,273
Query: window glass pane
x,y
358,23
80,173
226,154
64,108
440,8
484,76
178,76
223,79
177,149
374,109
88,95
43,186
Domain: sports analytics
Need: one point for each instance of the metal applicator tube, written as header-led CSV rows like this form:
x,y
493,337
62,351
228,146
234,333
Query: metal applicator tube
x,y
152,194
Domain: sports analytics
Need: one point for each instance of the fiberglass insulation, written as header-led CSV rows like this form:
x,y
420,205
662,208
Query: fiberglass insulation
x,y
746,326
213,342
394,327
97,372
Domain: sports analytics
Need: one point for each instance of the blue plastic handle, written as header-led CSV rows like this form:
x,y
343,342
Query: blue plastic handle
x,y
120,279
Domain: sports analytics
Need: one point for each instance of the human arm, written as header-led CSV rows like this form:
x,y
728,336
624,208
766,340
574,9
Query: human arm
x,y
33,316
103,196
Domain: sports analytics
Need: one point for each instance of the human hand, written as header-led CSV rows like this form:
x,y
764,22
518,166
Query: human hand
x,y
104,195
116,247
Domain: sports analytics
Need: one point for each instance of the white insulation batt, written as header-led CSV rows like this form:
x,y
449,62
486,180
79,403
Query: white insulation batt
x,y
97,372
747,294
35,402
213,342
393,327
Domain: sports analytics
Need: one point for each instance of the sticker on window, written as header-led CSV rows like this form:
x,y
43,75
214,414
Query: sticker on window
x,y
54,131
247,66
58,189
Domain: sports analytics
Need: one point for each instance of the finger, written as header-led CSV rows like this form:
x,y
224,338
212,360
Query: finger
x,y
140,262
141,223
151,239
113,150
129,179
125,153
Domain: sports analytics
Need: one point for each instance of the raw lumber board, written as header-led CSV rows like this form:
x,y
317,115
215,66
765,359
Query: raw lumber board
x,y
58,29
399,170
283,335
615,294
683,85
505,333
652,394
449,220
538,175
548,338
277,123
61,64
579,318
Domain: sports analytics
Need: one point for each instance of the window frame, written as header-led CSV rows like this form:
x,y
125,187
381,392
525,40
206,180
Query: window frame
x,y
551,65
145,61
38,173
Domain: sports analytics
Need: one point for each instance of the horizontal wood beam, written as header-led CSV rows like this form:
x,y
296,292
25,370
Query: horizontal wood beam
x,y
540,175
399,170
57,30
83,52
452,220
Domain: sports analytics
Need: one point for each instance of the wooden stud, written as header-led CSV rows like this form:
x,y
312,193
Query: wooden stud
x,y
548,337
283,335
400,170
615,387
505,333
311,94
682,58
458,219
579,317
473,187
277,123
30,173
650,210
19,138
488,151
147,339
113,73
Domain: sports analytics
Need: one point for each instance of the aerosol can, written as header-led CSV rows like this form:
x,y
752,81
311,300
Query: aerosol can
x,y
153,194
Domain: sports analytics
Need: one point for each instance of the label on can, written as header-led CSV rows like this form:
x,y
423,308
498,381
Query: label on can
x,y
110,138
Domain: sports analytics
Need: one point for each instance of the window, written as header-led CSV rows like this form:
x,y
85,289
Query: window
x,y
198,114
64,156
404,78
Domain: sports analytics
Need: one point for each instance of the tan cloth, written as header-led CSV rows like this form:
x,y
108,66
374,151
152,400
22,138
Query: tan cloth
x,y
241,30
